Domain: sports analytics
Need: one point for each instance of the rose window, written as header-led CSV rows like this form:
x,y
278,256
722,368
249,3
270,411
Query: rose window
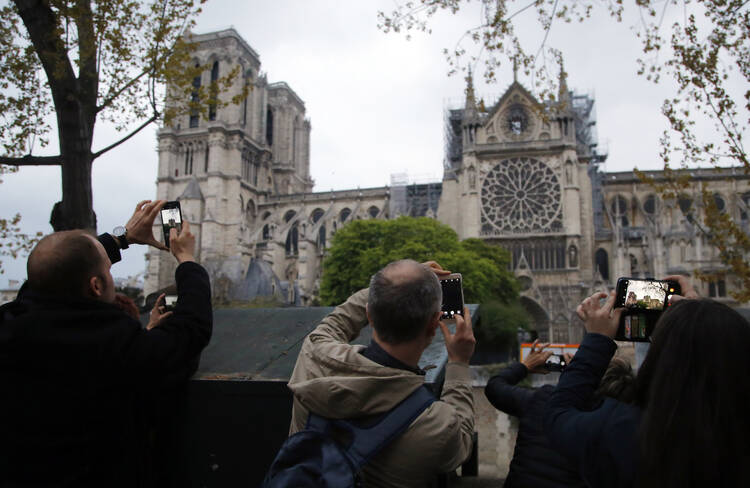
x,y
521,195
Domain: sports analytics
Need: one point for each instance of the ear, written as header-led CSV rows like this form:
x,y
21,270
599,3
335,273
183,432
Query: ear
x,y
432,326
96,287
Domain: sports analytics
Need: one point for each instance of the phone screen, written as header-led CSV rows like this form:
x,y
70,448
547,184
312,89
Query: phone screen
x,y
171,216
170,301
453,296
646,294
644,301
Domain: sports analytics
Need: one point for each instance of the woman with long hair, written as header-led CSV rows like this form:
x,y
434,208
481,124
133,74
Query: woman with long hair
x,y
689,425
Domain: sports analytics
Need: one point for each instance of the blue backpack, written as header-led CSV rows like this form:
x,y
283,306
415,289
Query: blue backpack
x,y
317,457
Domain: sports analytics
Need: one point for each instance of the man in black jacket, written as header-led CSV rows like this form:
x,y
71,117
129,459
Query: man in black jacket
x,y
535,463
75,369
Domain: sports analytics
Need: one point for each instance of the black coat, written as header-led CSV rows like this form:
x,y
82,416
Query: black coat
x,y
74,376
601,442
535,463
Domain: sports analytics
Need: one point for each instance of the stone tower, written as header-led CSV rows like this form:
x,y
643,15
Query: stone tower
x,y
223,165
517,175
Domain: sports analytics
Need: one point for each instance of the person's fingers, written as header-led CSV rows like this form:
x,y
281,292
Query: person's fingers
x,y
616,315
154,209
610,303
446,331
164,316
581,314
141,204
158,301
675,298
544,346
467,317
172,234
185,227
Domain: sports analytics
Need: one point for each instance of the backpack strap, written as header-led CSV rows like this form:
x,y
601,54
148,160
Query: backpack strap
x,y
368,441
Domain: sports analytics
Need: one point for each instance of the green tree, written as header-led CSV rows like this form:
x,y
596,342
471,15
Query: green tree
x,y
362,247
703,49
89,61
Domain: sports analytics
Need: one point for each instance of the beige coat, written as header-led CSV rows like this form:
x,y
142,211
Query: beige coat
x,y
334,380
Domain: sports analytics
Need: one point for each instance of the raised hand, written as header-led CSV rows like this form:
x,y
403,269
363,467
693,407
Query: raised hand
x,y
600,319
460,345
182,244
535,360
140,228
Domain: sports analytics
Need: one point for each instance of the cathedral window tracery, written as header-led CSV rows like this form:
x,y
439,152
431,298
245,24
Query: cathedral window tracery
x,y
620,211
521,195
194,99
214,90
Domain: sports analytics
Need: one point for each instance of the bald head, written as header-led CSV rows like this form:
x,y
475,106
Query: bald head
x,y
404,297
62,263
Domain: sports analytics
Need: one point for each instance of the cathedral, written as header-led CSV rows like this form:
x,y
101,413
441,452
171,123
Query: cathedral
x,y
520,174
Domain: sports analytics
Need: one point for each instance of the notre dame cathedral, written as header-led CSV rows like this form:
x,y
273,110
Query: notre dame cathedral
x,y
512,177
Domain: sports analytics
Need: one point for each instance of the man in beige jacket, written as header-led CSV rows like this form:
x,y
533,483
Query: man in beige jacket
x,y
337,380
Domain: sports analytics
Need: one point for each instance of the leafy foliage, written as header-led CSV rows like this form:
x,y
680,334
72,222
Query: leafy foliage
x,y
13,242
499,324
362,247
95,60
704,50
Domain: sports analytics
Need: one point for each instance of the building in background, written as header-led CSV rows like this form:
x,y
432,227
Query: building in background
x,y
519,174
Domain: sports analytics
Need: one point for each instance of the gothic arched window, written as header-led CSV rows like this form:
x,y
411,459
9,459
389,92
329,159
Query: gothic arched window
x,y
316,215
194,99
292,241
745,207
650,205
322,238
266,232
345,213
289,215
686,206
373,211
620,211
214,91
720,203
602,263
269,126
189,159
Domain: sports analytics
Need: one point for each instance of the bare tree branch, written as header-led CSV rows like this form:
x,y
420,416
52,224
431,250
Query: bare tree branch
x,y
137,130
30,160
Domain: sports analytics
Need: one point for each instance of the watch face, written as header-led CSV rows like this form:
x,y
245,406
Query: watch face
x,y
119,230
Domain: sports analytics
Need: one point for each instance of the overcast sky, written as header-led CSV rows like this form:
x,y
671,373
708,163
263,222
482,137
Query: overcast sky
x,y
376,103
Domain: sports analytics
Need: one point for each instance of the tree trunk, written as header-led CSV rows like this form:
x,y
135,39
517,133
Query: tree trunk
x,y
75,211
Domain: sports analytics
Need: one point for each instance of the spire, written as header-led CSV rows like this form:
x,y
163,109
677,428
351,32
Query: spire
x,y
470,109
515,69
563,94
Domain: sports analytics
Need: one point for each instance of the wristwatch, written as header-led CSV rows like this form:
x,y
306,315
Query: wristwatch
x,y
121,233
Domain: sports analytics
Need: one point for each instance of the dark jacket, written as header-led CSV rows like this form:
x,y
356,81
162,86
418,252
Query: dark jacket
x,y
73,375
602,442
535,463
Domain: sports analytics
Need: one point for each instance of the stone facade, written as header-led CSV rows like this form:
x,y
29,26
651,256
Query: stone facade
x,y
521,174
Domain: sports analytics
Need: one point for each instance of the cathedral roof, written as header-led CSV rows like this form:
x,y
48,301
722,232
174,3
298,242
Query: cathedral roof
x,y
192,191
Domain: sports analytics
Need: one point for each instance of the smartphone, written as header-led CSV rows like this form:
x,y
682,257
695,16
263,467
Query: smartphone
x,y
171,217
453,296
170,302
556,362
644,301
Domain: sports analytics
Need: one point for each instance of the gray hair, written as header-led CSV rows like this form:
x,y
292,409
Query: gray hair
x,y
404,296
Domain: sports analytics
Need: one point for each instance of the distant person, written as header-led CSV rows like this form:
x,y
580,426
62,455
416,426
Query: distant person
x,y
75,368
337,380
688,425
535,463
